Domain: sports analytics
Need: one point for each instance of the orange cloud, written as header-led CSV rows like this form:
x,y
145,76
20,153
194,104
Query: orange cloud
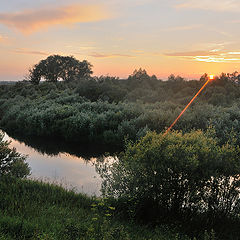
x,y
32,20
100,55
210,59
27,51
193,53
213,56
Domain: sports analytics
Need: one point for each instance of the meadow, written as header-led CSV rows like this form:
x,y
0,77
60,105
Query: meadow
x,y
35,210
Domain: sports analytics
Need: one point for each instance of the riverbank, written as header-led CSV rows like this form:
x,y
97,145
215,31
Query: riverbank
x,y
36,210
54,164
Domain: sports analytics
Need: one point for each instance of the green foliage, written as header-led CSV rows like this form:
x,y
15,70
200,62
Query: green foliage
x,y
40,211
100,89
93,110
12,163
57,67
177,176
191,184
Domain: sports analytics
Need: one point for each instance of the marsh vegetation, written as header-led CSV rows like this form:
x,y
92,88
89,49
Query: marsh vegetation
x,y
186,181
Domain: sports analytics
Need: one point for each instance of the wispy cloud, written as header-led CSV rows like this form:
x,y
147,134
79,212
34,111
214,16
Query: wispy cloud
x,y
213,46
220,32
100,55
213,56
192,53
3,38
31,20
210,59
183,28
234,53
138,52
86,47
81,47
213,5
28,51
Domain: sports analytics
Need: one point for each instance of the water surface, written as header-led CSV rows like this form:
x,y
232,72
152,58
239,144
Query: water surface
x,y
67,169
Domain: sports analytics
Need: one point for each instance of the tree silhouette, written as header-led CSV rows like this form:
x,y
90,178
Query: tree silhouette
x,y
56,67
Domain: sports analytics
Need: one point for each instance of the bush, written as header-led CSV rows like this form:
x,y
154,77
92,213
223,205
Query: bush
x,y
177,175
92,111
12,163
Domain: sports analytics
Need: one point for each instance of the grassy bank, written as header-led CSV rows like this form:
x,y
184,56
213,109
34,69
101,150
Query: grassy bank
x,y
34,210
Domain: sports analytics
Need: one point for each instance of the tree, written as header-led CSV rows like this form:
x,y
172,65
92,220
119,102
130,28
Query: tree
x,y
12,163
204,77
171,78
178,78
140,79
139,74
56,67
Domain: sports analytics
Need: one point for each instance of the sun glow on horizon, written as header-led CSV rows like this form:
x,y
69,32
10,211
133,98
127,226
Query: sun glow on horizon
x,y
211,77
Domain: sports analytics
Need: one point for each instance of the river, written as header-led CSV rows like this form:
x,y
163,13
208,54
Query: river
x,y
68,170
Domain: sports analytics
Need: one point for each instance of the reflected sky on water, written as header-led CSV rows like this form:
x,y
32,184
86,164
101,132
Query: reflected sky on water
x,y
68,170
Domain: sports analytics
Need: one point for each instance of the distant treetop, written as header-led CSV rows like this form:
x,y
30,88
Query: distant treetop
x,y
141,74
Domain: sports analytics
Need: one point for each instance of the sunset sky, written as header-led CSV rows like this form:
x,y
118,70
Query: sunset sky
x,y
183,37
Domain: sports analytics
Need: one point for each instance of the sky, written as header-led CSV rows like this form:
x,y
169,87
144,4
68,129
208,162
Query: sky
x,y
181,37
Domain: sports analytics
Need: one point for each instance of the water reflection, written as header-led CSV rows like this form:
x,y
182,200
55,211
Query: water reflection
x,y
54,146
48,163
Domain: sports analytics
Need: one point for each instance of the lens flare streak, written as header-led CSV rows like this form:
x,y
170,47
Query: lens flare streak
x,y
183,111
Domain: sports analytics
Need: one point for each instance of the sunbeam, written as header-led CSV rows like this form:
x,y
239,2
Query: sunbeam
x,y
211,77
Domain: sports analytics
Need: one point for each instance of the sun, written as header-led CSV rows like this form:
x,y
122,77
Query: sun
x,y
211,77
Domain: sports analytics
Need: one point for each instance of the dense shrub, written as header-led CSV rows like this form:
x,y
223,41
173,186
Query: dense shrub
x,y
177,175
12,163
108,110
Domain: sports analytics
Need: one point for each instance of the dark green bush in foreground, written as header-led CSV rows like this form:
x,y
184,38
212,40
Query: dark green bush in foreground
x,y
12,163
177,177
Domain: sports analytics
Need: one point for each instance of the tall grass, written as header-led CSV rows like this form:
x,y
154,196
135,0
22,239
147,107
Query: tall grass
x,y
37,210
